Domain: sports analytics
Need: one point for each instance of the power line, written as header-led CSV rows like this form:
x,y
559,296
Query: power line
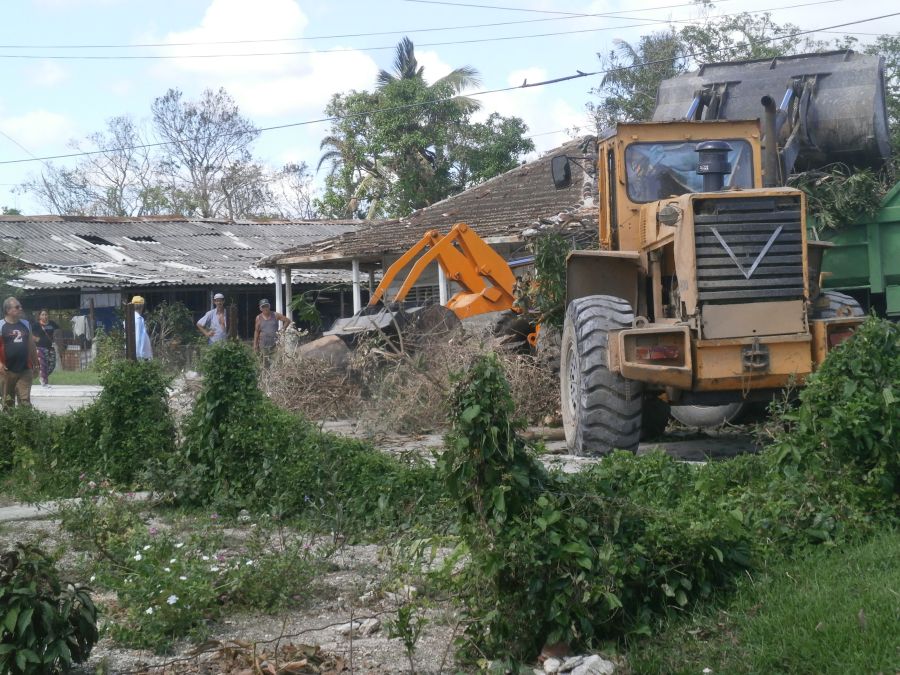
x,y
164,57
568,17
579,74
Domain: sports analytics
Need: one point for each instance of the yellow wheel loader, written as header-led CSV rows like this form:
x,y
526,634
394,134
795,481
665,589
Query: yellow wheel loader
x,y
704,292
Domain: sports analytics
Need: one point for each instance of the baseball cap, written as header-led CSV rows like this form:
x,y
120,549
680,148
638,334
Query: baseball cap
x,y
137,300
218,296
264,302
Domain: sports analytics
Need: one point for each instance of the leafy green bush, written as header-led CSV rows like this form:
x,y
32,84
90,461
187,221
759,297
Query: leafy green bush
x,y
573,558
545,288
849,412
45,626
243,451
128,425
26,433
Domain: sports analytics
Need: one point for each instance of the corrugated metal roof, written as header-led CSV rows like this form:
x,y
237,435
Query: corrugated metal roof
x,y
79,251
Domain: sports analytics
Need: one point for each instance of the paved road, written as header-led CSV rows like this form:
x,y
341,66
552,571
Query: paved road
x,y
61,398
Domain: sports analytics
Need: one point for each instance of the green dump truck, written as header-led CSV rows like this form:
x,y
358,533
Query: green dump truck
x,y
864,260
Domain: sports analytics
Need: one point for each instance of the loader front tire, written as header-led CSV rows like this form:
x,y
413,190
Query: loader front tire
x,y
601,410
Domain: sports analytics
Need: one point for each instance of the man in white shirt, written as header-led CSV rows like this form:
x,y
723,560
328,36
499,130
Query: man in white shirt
x,y
143,350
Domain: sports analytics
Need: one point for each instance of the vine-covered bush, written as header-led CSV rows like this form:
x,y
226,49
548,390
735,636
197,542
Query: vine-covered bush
x,y
240,450
46,626
571,558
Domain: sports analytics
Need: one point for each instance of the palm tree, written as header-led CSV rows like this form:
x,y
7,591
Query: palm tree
x,y
406,67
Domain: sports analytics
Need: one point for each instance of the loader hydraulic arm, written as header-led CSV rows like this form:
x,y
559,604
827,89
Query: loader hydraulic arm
x,y
486,280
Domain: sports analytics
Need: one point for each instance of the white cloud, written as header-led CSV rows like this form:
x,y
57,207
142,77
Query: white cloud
x,y
46,74
435,67
264,86
38,129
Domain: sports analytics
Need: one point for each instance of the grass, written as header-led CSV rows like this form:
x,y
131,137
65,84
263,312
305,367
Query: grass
x,y
60,376
832,611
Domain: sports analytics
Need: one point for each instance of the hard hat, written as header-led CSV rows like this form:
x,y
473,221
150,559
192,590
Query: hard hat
x,y
137,300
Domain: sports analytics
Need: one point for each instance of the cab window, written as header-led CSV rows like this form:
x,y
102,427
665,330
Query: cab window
x,y
659,170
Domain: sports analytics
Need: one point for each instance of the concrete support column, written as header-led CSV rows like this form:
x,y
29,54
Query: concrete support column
x,y
442,286
279,307
357,295
288,294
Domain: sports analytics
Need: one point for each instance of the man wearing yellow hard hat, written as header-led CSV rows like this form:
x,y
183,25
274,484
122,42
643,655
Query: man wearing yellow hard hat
x,y
143,350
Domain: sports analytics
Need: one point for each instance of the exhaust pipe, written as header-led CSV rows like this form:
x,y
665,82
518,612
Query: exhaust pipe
x,y
771,174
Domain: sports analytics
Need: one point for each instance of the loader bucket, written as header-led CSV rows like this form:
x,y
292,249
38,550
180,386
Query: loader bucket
x,y
837,100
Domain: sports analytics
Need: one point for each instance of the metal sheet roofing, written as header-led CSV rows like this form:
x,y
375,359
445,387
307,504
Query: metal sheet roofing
x,y
80,251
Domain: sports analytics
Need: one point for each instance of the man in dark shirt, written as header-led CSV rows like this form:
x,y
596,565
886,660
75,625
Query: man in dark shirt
x,y
17,355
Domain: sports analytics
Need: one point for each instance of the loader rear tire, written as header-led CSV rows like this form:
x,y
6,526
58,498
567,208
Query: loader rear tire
x,y
601,410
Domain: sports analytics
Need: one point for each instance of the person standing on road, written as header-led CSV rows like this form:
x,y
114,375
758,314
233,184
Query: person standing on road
x,y
214,324
267,326
18,355
143,350
43,336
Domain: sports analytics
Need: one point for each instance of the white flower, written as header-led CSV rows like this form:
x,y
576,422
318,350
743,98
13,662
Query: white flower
x,y
92,578
179,544
172,561
149,610
138,556
183,578
707,671
249,562
167,569
204,558
172,599
147,547
214,568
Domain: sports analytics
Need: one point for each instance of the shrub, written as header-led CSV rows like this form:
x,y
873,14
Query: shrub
x,y
46,626
849,412
243,451
572,558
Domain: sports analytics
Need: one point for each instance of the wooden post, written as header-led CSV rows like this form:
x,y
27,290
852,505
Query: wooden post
x,y
91,319
130,334
232,321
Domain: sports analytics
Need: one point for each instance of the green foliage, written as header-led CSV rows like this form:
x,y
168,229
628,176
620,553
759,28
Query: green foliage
x,y
169,586
823,612
46,626
132,420
849,413
408,627
171,324
841,196
240,450
545,289
409,143
610,551
634,72
305,310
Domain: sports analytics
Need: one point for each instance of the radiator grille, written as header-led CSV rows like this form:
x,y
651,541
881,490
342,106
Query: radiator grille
x,y
748,249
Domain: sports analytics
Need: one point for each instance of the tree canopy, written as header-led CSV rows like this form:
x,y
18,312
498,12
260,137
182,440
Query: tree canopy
x,y
194,159
409,143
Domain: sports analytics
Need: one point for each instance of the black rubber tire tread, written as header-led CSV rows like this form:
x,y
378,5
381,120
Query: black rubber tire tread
x,y
839,304
606,412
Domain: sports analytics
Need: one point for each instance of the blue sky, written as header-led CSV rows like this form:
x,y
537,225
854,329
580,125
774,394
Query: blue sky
x,y
45,102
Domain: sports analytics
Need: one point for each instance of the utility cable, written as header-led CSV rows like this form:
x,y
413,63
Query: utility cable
x,y
568,17
525,85
506,38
